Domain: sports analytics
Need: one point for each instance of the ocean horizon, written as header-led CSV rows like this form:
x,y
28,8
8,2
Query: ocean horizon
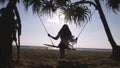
x,y
52,48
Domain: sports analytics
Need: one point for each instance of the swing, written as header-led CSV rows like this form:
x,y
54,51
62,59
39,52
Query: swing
x,y
70,46
71,43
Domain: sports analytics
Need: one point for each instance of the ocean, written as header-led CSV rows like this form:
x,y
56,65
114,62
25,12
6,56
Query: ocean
x,y
52,48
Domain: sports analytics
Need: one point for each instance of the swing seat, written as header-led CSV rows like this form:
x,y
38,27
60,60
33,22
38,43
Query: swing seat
x,y
69,48
51,45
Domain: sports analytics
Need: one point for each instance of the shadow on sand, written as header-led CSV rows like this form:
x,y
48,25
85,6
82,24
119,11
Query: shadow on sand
x,y
68,64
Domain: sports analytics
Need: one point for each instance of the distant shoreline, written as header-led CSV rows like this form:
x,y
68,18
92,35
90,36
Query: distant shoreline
x,y
51,48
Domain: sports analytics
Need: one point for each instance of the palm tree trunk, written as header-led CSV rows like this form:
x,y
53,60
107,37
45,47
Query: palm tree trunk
x,y
115,48
6,36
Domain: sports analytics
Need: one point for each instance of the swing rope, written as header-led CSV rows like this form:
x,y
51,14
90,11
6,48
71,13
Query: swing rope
x,y
85,24
45,28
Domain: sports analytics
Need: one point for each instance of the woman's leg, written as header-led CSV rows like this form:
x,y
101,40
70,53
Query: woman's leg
x,y
62,53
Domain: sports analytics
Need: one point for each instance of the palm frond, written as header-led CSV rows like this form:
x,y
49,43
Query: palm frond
x,y
62,2
48,7
26,3
3,1
77,14
35,4
40,6
114,5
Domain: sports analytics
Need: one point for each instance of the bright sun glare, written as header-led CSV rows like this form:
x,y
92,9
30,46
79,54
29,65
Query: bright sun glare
x,y
62,16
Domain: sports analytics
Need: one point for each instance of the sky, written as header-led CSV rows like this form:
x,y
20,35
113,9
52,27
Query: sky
x,y
93,35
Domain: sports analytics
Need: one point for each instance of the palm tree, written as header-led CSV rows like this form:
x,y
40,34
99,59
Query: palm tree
x,y
115,48
114,4
8,29
77,12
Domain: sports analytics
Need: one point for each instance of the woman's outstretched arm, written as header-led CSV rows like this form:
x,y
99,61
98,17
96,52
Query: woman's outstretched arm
x,y
54,37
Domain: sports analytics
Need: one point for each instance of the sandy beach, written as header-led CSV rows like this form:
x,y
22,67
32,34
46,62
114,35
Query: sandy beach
x,y
41,58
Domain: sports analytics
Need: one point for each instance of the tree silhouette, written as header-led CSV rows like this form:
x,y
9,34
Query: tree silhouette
x,y
78,12
9,27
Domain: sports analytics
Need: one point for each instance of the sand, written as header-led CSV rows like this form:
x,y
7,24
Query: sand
x,y
41,58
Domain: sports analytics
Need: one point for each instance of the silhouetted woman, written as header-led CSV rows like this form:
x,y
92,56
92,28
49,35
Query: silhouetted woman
x,y
65,36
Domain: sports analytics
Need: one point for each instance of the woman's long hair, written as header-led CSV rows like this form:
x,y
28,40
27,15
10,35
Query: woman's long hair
x,y
65,32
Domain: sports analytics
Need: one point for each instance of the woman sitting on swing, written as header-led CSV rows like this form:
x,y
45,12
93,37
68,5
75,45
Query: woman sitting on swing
x,y
66,37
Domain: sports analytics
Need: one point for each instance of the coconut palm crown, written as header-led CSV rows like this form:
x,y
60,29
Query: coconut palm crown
x,y
76,13
114,5
73,13
79,13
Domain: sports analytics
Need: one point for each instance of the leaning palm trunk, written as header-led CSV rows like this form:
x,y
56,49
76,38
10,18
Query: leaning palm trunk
x,y
115,49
